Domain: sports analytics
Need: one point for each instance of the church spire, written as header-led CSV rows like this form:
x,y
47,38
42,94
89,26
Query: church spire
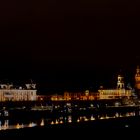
x,y
120,83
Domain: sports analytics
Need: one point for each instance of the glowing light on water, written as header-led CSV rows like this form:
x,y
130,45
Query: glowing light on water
x,y
78,120
61,122
56,122
22,126
92,118
52,122
69,119
127,114
91,105
42,122
32,124
6,125
85,119
18,126
107,117
117,114
126,125
121,116
102,118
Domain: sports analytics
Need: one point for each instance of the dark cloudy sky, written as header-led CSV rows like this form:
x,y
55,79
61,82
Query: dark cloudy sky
x,y
68,38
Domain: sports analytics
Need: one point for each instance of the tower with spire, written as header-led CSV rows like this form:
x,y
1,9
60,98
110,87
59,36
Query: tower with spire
x,y
120,83
137,78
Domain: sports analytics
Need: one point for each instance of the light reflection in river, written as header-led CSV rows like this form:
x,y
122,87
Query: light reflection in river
x,y
42,122
4,124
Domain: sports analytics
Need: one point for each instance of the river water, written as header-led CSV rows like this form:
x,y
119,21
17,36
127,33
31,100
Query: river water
x,y
6,124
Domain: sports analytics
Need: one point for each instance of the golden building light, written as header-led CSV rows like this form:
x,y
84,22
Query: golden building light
x,y
137,78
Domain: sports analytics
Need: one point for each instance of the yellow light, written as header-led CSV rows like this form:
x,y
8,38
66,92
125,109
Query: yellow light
x,y
78,120
22,126
117,115
107,117
86,119
52,122
70,121
61,121
127,114
18,126
42,122
102,118
92,118
31,124
56,122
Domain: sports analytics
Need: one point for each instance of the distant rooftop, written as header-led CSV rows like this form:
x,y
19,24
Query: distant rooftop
x,y
23,86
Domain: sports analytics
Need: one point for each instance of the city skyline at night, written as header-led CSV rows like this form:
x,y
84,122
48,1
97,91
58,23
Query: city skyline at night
x,y
76,80
71,44
69,65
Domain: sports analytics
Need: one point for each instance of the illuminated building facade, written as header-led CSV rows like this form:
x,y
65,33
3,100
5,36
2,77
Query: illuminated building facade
x,y
137,78
114,93
117,93
57,97
87,95
9,93
120,83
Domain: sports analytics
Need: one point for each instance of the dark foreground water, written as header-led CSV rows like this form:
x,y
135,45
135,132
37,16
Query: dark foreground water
x,y
85,123
64,121
67,130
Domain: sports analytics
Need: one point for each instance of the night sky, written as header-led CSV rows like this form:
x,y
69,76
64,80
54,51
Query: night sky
x,y
64,44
